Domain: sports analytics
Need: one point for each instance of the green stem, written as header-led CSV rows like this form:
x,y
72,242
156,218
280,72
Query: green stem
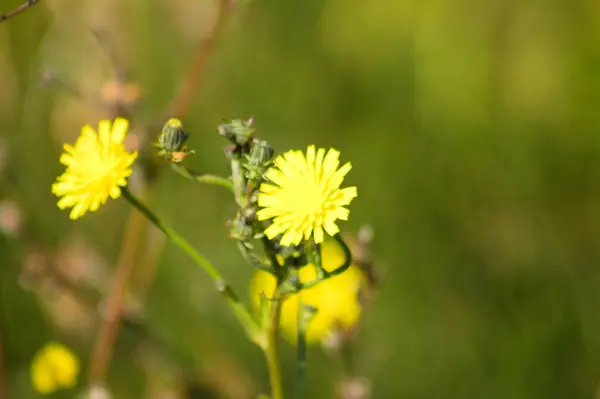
x,y
202,178
238,182
318,263
233,301
337,271
271,344
301,346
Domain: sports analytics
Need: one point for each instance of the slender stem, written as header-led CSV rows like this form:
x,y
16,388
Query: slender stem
x,y
115,302
233,301
271,254
301,346
18,10
321,272
202,178
271,345
304,319
239,182
347,258
337,271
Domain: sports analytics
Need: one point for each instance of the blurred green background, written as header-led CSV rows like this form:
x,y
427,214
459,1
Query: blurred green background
x,y
474,134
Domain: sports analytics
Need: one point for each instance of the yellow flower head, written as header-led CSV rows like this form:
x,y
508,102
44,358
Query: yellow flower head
x,y
54,367
336,299
304,196
96,166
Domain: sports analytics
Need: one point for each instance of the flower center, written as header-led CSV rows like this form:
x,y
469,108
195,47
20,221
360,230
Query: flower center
x,y
98,171
308,199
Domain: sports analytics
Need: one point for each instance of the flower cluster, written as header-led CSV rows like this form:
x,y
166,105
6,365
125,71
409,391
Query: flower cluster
x,y
285,225
290,203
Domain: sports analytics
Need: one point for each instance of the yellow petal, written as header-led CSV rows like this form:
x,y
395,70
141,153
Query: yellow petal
x,y
341,213
330,163
287,239
331,228
67,201
345,196
62,187
318,235
272,231
78,210
267,188
119,130
310,156
268,200
338,176
68,148
273,175
115,192
319,163
104,132
267,213
66,159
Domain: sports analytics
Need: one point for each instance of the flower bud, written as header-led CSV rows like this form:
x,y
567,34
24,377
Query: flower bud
x,y
172,139
261,153
237,131
258,159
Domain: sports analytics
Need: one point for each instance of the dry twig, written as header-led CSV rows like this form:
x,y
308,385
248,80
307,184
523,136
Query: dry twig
x,y
18,10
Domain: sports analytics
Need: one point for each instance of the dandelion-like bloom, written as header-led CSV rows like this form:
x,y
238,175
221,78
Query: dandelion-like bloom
x,y
97,166
304,196
336,299
54,367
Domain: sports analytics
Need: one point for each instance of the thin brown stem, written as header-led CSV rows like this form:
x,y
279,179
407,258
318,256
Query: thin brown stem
x,y
115,303
180,105
182,101
18,10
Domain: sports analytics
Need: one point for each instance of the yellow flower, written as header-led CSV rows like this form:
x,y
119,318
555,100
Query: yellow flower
x,y
305,197
96,166
336,299
54,367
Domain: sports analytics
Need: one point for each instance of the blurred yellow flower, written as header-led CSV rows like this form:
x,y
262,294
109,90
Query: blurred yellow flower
x,y
305,196
54,367
96,166
336,299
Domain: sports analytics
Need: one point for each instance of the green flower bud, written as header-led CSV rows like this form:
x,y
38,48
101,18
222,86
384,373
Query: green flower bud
x,y
172,139
261,154
258,159
237,131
